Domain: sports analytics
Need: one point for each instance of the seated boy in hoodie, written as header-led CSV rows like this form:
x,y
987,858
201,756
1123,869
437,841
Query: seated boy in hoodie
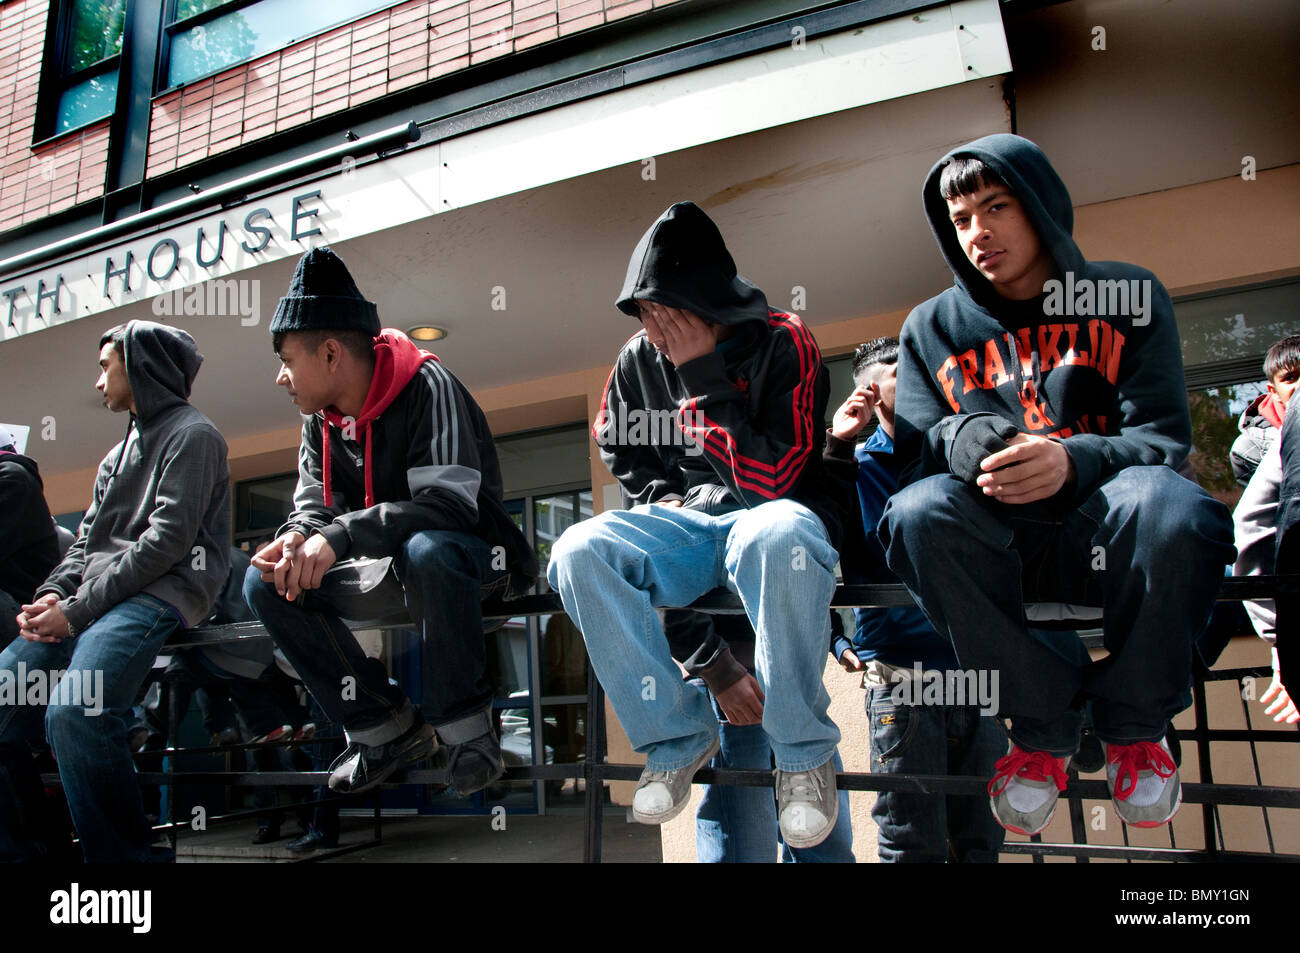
x,y
727,489
1041,413
150,558
1255,520
1261,422
396,461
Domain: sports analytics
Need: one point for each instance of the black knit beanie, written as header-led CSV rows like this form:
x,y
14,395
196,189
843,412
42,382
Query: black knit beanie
x,y
323,297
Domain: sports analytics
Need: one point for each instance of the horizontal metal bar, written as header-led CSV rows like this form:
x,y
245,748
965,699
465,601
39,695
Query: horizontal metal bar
x,y
717,601
1245,795
1146,853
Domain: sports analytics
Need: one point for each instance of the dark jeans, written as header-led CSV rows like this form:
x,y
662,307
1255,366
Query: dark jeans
x,y
939,740
1148,546
87,718
442,574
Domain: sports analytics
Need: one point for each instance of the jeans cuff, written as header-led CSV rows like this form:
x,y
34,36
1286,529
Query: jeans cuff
x,y
1130,737
460,731
1058,738
677,764
393,726
790,767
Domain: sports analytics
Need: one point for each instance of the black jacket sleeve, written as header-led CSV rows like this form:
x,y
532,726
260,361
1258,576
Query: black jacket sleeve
x,y
643,474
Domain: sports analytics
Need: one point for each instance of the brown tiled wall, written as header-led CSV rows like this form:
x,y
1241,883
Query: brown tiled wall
x,y
399,47
37,182
407,44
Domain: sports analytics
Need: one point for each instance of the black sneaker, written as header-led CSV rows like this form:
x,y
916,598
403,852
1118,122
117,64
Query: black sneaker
x,y
471,753
362,767
314,839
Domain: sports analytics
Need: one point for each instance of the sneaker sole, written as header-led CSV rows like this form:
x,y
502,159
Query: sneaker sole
x,y
1149,824
417,753
668,815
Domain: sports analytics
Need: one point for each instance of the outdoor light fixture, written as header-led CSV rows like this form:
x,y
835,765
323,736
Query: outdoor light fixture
x,y
426,332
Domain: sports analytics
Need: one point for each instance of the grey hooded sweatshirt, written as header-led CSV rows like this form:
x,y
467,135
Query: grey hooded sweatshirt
x,y
160,518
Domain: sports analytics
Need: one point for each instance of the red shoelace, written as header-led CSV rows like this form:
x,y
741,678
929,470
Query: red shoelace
x,y
1030,765
1134,758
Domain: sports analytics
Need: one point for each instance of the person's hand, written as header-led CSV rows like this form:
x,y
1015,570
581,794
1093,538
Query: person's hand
x,y
1282,708
43,620
1031,468
742,703
853,414
681,335
307,565
274,559
850,662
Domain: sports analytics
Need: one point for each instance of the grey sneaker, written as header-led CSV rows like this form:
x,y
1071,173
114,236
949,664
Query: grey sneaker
x,y
1025,788
1143,782
362,767
807,804
661,795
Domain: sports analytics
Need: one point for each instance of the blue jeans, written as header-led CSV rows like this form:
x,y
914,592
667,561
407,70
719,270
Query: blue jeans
x,y
936,740
738,825
441,572
87,719
613,570
1148,546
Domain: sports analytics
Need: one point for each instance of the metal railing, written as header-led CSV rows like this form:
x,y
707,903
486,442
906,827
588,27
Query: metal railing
x,y
594,771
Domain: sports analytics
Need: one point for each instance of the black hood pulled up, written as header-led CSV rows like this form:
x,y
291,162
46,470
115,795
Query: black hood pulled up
x,y
1046,201
682,262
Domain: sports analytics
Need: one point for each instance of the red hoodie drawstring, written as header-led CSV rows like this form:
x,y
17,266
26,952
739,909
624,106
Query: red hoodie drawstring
x,y
325,463
397,360
370,490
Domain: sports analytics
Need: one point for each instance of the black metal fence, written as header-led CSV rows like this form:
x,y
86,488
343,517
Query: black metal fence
x,y
594,771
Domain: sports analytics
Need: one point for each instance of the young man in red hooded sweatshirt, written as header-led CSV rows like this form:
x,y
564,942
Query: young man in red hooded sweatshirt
x,y
396,461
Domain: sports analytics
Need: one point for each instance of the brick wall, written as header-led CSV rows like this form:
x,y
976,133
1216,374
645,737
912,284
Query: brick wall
x,y
402,46
405,45
35,183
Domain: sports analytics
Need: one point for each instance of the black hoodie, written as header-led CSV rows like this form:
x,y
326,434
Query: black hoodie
x,y
28,547
1106,381
737,427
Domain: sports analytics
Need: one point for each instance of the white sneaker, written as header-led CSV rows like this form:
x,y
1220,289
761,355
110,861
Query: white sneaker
x,y
661,795
808,804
